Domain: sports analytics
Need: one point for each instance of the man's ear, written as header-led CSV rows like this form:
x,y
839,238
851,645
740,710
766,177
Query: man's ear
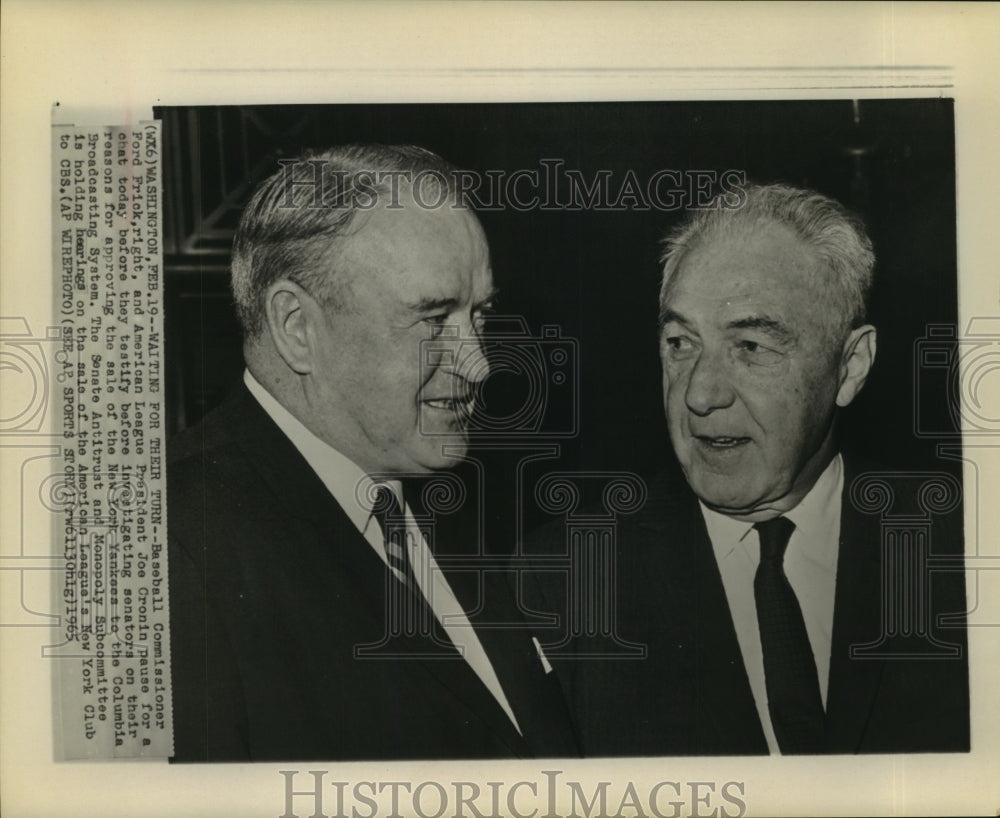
x,y
287,311
856,359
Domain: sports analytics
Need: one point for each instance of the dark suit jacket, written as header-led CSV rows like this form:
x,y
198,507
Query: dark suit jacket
x,y
691,694
271,589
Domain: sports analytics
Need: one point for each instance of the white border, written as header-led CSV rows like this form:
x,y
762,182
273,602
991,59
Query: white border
x,y
111,61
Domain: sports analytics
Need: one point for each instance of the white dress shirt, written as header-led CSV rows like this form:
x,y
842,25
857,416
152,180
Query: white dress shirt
x,y
810,565
345,481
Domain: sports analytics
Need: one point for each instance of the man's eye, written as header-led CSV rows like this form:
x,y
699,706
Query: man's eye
x,y
437,323
678,344
753,352
480,316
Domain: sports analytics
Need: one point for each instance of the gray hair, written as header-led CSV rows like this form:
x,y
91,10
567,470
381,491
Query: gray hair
x,y
298,213
838,237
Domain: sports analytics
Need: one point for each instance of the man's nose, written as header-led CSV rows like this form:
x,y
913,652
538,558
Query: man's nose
x,y
472,363
460,350
708,384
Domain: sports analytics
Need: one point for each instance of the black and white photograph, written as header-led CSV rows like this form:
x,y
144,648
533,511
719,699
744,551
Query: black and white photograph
x,y
705,315
498,409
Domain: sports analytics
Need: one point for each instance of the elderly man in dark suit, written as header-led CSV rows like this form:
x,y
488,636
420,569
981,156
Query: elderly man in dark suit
x,y
778,612
310,618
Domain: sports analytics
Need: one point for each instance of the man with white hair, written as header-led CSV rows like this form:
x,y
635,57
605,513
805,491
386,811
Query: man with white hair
x,y
778,612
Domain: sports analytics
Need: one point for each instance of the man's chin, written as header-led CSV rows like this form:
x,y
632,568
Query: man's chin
x,y
726,495
444,452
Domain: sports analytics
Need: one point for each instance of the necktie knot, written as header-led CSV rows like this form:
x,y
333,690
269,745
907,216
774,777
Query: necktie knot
x,y
774,536
386,509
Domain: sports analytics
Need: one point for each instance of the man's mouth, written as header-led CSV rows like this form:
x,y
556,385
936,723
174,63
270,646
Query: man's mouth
x,y
460,405
721,442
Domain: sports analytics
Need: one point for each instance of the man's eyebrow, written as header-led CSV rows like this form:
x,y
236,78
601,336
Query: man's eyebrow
x,y
669,315
449,303
772,327
431,304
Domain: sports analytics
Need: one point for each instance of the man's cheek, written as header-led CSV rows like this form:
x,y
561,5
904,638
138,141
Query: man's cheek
x,y
675,432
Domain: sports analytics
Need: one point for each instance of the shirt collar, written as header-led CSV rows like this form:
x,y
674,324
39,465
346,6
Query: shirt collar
x,y
350,486
819,511
815,513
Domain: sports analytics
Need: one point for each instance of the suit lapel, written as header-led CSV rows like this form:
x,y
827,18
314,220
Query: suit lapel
x,y
486,597
683,564
304,498
680,560
854,682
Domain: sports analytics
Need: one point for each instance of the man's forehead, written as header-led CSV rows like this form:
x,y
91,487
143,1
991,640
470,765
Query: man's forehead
x,y
407,215
419,259
767,262
413,229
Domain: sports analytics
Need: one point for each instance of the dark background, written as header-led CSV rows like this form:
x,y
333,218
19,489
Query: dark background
x,y
594,274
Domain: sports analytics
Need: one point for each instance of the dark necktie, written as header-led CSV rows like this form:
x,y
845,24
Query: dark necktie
x,y
391,520
793,696
408,611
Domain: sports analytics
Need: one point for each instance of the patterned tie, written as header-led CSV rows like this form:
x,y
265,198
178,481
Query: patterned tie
x,y
793,696
391,520
408,613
